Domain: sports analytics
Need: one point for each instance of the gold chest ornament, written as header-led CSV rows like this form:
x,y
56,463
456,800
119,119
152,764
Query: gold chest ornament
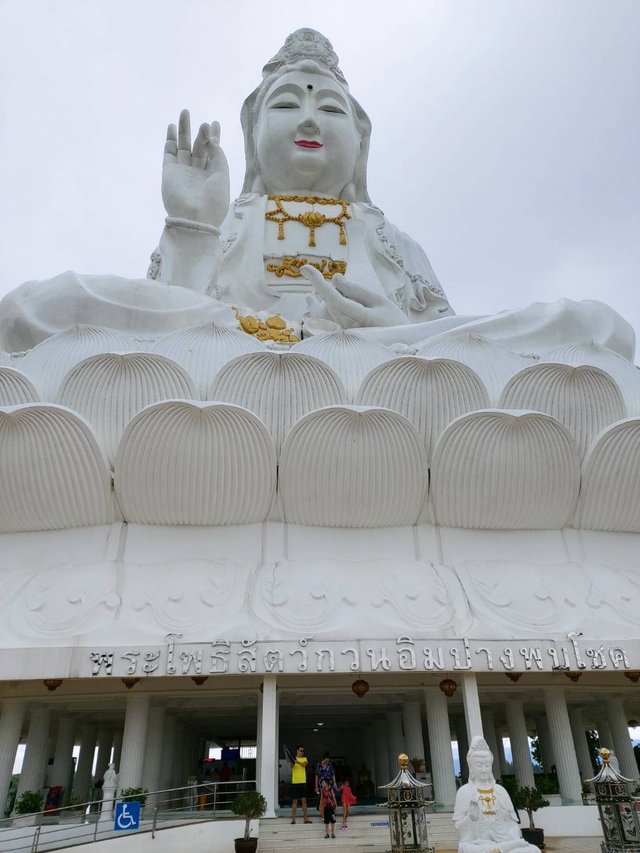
x,y
311,219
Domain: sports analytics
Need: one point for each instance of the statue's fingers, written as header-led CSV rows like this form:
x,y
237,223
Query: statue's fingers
x,y
171,145
352,290
184,137
216,159
199,156
215,132
332,298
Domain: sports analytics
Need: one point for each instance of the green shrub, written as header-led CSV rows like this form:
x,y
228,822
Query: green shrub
x,y
546,785
29,802
133,795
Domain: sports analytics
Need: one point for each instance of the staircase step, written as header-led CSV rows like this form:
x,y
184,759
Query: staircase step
x,y
367,833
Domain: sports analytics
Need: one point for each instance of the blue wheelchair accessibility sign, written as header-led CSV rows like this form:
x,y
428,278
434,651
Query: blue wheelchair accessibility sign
x,y
127,816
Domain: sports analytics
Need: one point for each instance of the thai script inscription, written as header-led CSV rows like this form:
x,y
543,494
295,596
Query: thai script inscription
x,y
221,656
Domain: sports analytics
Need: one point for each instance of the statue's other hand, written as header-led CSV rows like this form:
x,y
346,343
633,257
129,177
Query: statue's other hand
x,y
195,182
352,304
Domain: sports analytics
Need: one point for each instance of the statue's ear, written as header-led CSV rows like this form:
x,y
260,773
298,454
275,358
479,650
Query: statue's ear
x,y
349,192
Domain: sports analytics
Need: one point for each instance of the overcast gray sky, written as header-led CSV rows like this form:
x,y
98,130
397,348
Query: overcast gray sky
x,y
506,133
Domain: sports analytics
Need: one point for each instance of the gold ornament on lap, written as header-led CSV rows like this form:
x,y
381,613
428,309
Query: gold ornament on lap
x,y
272,329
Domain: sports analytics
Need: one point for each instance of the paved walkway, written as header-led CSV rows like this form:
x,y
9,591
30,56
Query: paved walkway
x,y
563,845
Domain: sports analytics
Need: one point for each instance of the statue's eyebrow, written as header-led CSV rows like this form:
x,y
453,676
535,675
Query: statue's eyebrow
x,y
294,89
333,93
285,88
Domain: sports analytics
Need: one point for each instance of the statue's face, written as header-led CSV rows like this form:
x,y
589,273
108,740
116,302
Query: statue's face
x,y
306,135
481,767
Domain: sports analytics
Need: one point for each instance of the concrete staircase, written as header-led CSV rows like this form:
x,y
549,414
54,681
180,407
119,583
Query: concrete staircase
x,y
367,833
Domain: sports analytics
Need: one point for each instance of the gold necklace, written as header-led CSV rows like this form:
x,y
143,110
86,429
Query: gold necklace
x,y
487,799
311,219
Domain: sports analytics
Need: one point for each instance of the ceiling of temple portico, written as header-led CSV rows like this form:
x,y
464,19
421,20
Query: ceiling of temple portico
x,y
313,709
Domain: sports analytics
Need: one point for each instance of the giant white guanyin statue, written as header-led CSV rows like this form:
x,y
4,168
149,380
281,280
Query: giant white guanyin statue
x,y
302,241
483,813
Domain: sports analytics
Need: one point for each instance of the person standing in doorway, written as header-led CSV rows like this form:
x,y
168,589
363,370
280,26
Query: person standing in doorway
x,y
325,771
299,784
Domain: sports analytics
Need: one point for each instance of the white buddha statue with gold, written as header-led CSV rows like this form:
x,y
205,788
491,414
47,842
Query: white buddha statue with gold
x,y
302,250
483,814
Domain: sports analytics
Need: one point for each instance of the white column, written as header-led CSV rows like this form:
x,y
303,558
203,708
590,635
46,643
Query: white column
x,y
63,756
117,749
621,741
153,753
11,720
382,753
412,724
36,754
562,744
489,728
580,743
444,777
82,779
105,744
259,745
471,699
519,739
544,744
276,774
268,725
396,741
133,741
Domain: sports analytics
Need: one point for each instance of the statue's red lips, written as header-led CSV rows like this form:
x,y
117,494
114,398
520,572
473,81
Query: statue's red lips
x,y
308,143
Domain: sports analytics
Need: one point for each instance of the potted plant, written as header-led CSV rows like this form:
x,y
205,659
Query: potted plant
x,y
133,795
28,803
250,805
529,800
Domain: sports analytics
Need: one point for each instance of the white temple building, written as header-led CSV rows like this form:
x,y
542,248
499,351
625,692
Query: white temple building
x,y
211,536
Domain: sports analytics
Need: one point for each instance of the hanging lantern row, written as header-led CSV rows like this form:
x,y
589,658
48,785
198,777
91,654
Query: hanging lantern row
x,y
129,682
513,676
633,675
52,683
199,680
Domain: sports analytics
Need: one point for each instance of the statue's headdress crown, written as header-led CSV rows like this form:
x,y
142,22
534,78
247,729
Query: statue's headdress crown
x,y
306,44
478,746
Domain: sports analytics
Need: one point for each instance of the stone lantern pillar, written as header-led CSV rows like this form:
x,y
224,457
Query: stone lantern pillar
x,y
617,808
407,816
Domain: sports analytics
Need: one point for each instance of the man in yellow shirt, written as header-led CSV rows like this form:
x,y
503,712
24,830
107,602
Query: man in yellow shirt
x,y
299,784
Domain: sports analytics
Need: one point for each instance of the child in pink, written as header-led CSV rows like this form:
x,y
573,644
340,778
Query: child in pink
x,y
348,800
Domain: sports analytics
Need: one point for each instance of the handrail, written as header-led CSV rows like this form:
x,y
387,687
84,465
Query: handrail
x,y
94,820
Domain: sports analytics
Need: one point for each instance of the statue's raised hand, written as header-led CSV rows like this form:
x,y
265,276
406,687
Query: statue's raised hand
x,y
351,304
195,183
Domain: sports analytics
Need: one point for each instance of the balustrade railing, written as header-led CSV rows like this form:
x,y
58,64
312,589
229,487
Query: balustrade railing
x,y
85,823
